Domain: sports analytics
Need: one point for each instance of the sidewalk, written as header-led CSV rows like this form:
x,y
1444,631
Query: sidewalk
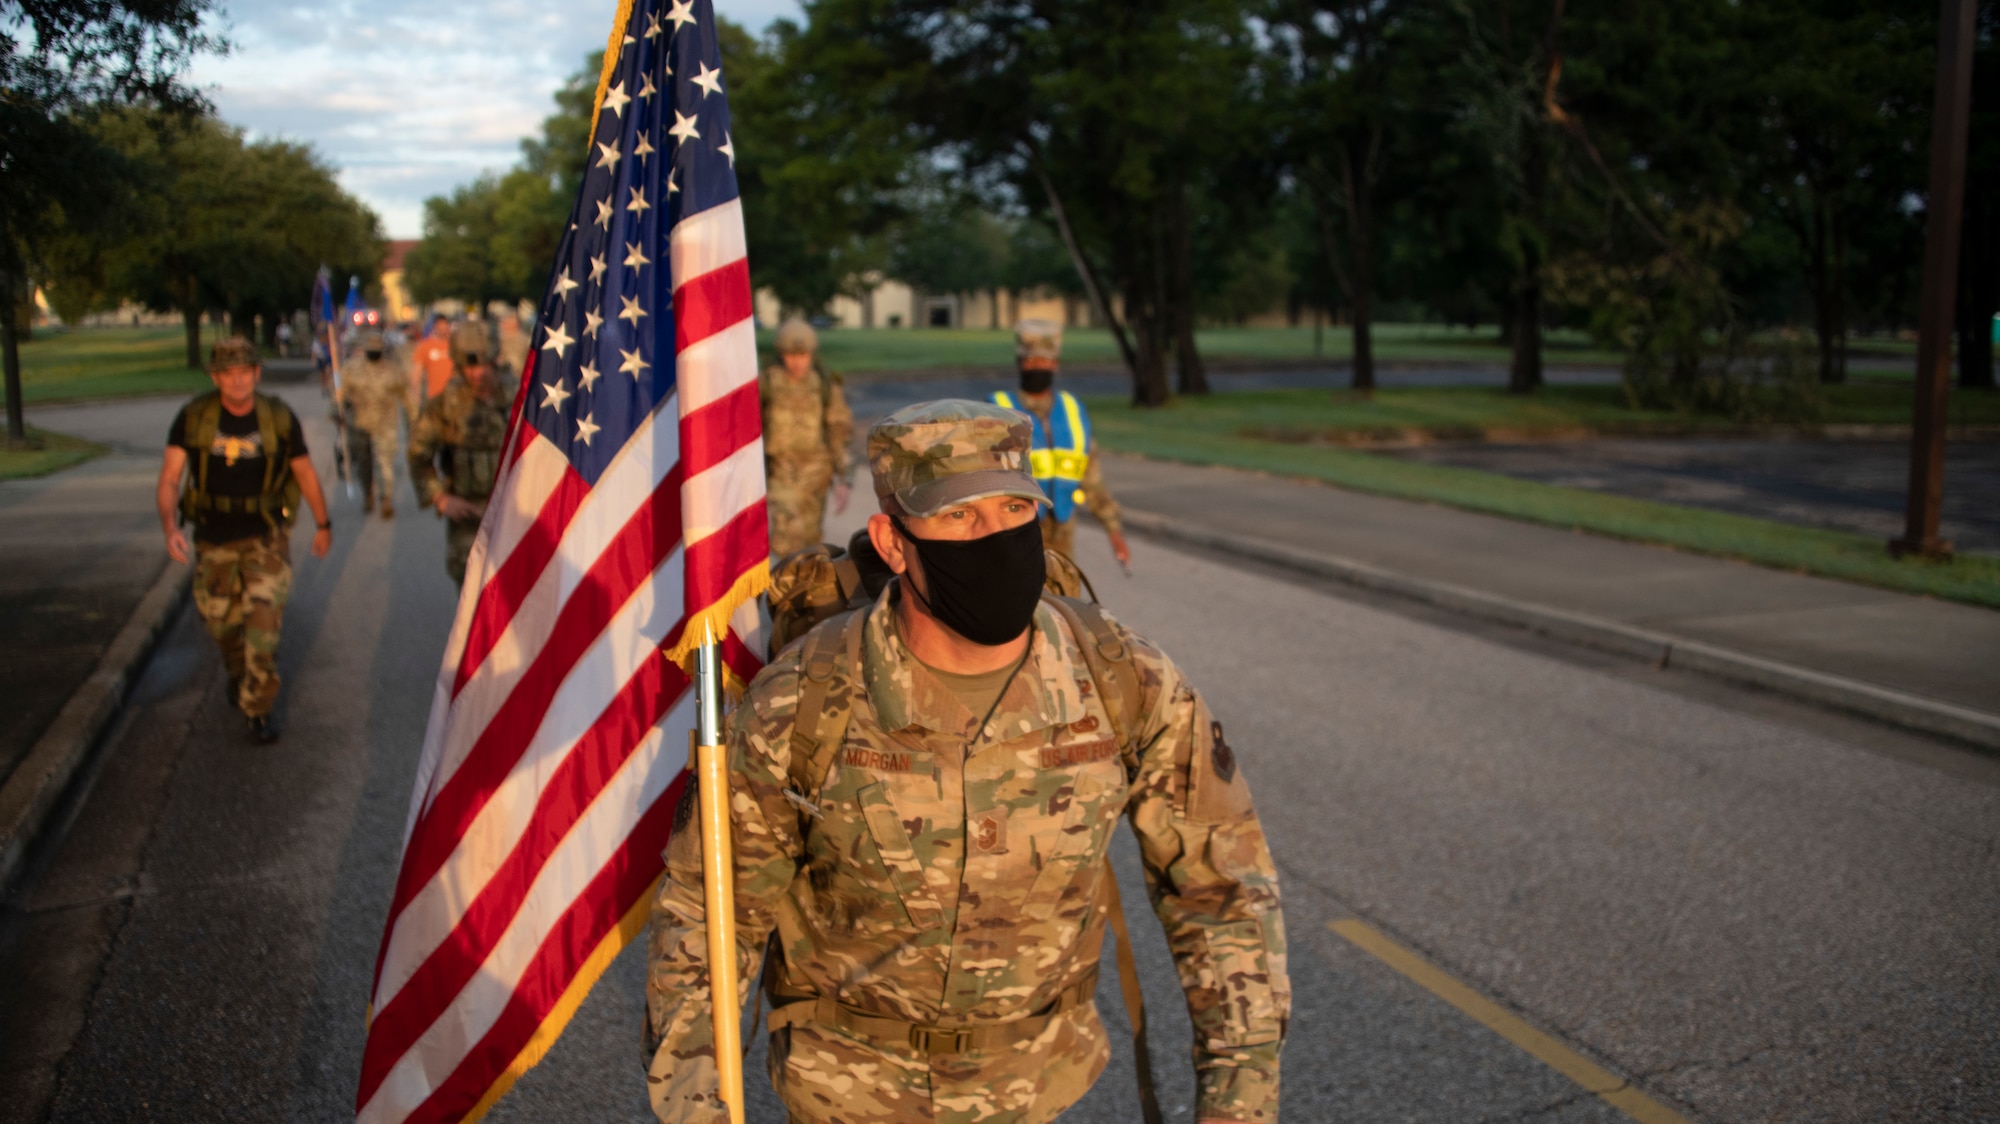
x,y
1933,649
78,550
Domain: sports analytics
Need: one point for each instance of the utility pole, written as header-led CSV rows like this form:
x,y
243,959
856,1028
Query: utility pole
x,y
1943,215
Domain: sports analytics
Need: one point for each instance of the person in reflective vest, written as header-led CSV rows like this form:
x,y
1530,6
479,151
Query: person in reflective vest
x,y
1064,457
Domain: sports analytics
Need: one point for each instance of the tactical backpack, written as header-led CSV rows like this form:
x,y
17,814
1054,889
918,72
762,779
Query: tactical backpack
x,y
824,584
277,502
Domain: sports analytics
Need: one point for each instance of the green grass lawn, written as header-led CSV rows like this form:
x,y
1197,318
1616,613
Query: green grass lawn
x,y
108,363
883,350
47,452
1322,417
1221,430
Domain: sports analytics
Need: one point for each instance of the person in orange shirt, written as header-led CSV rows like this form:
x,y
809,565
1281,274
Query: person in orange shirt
x,y
432,358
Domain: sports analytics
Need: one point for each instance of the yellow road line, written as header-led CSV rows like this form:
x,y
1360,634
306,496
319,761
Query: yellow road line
x,y
1614,1090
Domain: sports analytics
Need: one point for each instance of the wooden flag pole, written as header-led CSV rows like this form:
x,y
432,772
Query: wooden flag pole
x,y
718,875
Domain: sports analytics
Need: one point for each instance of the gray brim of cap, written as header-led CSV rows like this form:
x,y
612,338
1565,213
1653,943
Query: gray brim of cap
x,y
926,500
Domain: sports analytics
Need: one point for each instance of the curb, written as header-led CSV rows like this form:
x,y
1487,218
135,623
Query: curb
x,y
32,793
1883,704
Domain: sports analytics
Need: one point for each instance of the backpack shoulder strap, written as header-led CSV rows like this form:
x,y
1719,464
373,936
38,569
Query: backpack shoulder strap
x,y
1110,663
830,660
204,417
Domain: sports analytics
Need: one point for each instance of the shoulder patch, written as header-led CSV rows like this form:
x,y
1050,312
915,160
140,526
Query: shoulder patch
x,y
1216,791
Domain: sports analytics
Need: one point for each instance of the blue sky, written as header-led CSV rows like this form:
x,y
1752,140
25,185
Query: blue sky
x,y
410,100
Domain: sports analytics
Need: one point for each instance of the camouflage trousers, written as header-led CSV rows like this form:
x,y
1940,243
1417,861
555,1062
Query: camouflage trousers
x,y
458,536
795,500
372,456
240,589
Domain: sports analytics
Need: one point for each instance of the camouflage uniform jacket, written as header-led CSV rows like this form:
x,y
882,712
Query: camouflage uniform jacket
x,y
375,390
470,428
956,879
806,420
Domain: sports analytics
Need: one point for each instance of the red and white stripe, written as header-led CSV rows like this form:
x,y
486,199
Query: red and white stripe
x,y
555,749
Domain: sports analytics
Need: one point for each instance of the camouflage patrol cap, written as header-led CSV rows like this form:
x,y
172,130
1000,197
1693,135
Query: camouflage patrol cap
x,y
932,455
470,344
795,336
1037,344
232,352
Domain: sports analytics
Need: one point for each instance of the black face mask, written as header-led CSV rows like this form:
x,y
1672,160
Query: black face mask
x,y
374,356
1035,380
984,589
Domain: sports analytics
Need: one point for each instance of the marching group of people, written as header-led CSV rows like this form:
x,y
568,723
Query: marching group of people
x,y
925,781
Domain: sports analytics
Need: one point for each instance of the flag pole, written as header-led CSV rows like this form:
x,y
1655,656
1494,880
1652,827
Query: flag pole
x,y
718,874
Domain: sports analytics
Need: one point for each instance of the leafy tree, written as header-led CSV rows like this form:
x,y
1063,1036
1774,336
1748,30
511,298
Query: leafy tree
x,y
1844,88
220,224
58,57
1338,60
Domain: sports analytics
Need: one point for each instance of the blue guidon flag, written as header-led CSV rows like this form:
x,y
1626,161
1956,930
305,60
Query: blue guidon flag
x,y
629,512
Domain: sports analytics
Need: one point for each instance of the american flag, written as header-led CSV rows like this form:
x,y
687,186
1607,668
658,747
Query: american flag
x,y
630,510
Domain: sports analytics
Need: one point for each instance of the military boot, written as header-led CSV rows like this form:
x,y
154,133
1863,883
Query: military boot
x,y
388,509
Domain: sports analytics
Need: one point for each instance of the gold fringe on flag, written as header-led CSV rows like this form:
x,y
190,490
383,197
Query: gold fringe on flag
x,y
612,49
752,582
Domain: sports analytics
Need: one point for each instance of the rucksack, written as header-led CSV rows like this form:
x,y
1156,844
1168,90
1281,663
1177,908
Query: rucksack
x,y
278,501
826,585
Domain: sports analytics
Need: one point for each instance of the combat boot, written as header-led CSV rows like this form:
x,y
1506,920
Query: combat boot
x,y
263,731
388,509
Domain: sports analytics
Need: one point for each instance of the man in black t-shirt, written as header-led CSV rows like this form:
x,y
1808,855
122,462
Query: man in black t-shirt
x,y
235,468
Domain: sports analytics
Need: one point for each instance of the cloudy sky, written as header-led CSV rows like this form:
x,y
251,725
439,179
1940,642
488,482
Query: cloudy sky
x,y
411,99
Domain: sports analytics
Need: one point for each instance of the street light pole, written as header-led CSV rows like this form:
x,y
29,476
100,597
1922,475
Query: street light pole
x,y
1934,328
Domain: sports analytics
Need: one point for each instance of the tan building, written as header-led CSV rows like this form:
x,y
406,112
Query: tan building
x,y
893,304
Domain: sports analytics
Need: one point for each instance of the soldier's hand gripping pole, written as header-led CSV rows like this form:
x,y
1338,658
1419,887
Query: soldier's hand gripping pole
x,y
718,874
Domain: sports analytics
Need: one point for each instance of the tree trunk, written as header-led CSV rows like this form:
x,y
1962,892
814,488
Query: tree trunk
x,y
1524,372
1149,373
10,360
191,321
1088,276
1837,277
1180,293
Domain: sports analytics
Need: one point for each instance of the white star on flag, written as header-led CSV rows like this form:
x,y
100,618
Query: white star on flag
x,y
564,284
587,377
683,127
728,149
646,87
553,395
558,341
597,267
671,185
638,200
682,12
604,210
634,257
653,26
643,149
585,430
591,322
631,311
633,365
616,98
608,156
710,81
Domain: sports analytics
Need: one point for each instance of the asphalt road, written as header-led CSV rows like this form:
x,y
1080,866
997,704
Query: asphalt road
x,y
1753,910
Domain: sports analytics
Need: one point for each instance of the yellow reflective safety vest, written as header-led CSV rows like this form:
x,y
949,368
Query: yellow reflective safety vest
x,y
1060,452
